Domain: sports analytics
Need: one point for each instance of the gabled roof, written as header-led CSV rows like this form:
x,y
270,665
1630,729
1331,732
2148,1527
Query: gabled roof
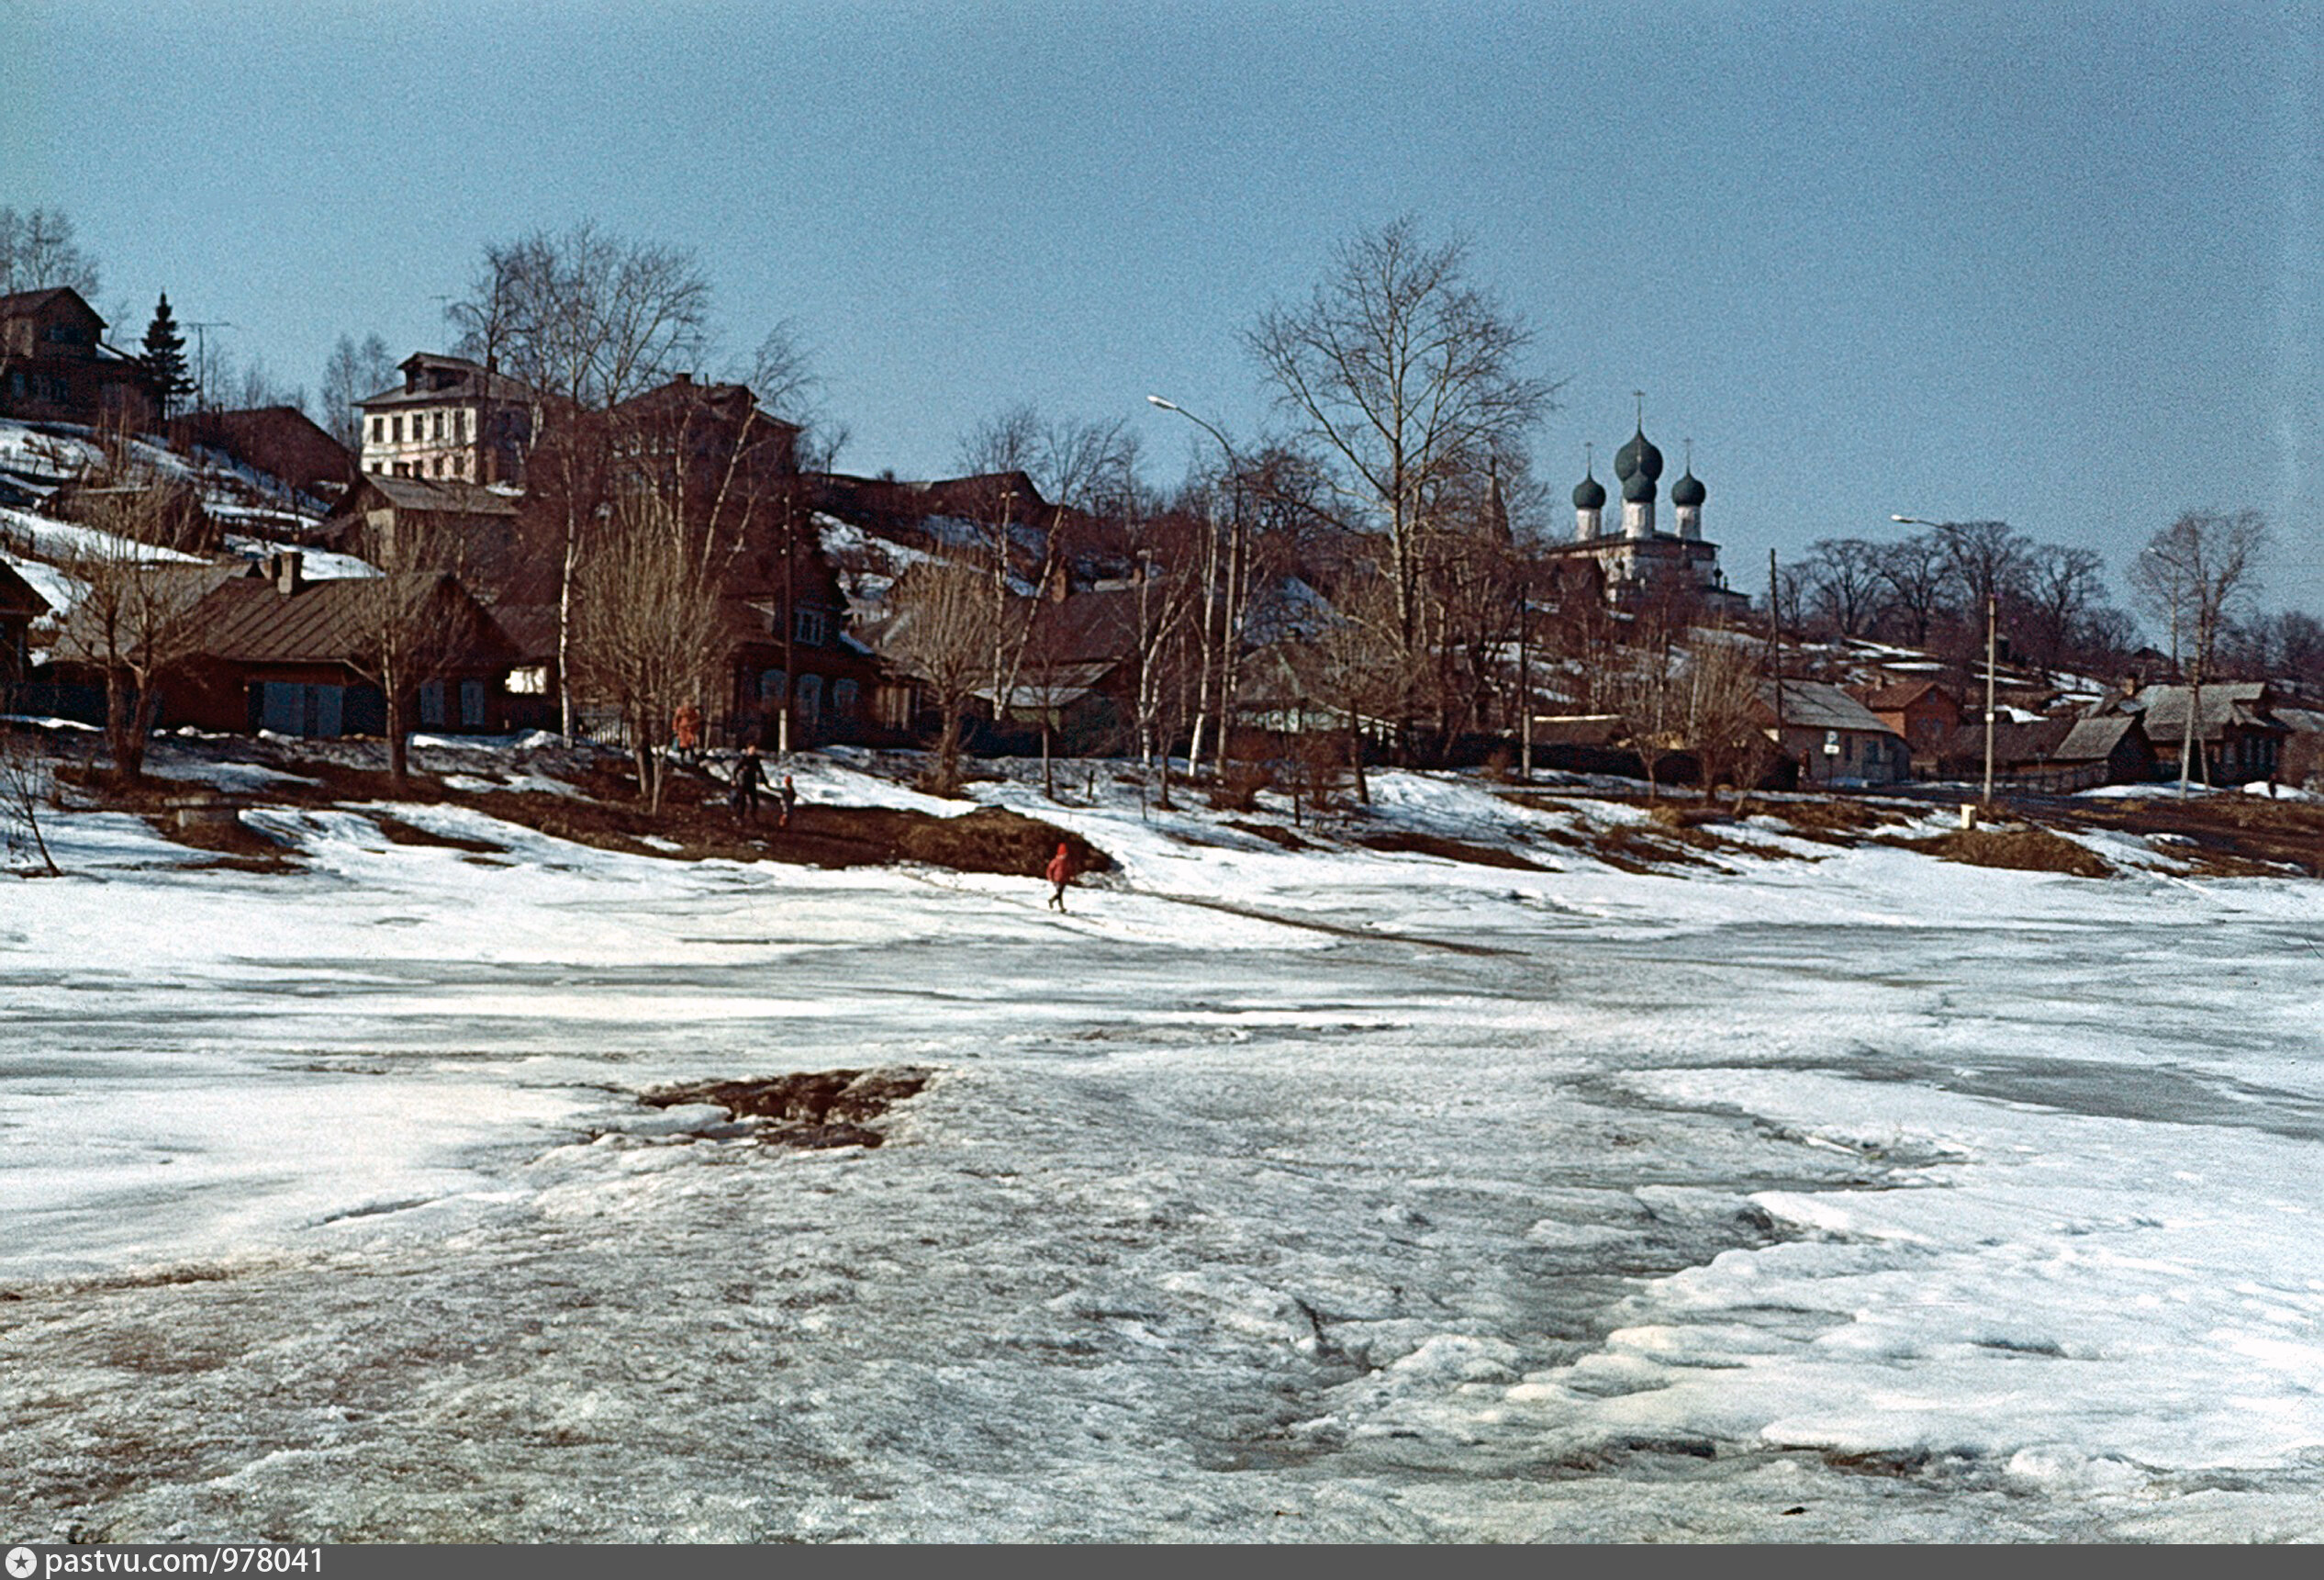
x,y
249,621
2094,740
30,304
733,401
1900,695
1817,705
428,495
468,381
2243,703
18,596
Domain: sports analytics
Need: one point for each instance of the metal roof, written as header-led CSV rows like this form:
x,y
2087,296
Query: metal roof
x,y
1817,705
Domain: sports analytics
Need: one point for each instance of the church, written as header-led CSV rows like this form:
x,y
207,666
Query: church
x,y
1637,559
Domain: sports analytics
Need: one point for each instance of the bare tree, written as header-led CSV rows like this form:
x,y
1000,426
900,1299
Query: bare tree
x,y
27,786
37,253
1843,584
352,373
1411,378
648,625
2063,586
938,629
1346,658
2198,573
141,575
415,622
1724,678
584,320
1078,468
1916,572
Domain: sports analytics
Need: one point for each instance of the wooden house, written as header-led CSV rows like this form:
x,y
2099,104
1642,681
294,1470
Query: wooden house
x,y
1921,710
282,441
275,651
1833,738
20,605
55,365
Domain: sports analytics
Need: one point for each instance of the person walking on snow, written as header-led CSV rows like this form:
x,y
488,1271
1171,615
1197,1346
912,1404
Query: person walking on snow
x,y
1060,874
686,732
788,796
748,777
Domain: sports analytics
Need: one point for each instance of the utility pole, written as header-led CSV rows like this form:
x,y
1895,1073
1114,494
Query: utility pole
x,y
1992,606
1525,681
1775,650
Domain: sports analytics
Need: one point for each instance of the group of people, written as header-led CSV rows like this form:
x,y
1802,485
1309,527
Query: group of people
x,y
750,777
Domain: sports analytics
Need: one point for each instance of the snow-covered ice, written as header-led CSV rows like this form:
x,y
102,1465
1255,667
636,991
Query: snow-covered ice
x,y
1274,1193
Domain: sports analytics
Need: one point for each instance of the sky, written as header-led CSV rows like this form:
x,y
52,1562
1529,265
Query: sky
x,y
2059,265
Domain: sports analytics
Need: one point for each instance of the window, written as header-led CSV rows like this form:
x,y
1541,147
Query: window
x,y
431,703
472,704
378,430
440,465
843,700
771,685
398,428
436,426
810,626
811,700
460,427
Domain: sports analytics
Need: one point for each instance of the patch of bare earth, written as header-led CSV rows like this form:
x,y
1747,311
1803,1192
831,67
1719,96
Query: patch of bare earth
x,y
2020,849
812,1110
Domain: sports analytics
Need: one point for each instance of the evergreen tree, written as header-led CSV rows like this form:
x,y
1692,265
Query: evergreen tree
x,y
164,359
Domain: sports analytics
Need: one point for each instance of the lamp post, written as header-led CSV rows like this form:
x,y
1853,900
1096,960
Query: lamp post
x,y
1992,605
1226,614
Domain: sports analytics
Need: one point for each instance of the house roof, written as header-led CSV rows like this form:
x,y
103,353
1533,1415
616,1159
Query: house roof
x,y
2241,703
2029,741
1897,696
469,382
25,303
1818,705
249,621
1576,729
18,596
2094,740
439,497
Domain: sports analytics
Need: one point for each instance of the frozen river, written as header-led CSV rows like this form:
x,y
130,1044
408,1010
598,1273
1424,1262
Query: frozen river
x,y
1856,1197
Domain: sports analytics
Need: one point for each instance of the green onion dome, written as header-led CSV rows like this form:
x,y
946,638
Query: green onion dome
x,y
1687,490
1639,456
1590,494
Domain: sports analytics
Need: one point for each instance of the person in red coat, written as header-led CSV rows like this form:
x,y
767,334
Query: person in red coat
x,y
1060,874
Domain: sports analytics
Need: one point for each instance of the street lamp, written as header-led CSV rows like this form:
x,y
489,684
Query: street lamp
x,y
1993,603
1226,615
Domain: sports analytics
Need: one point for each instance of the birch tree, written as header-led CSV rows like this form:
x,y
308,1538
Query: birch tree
x,y
584,320
1409,377
2198,573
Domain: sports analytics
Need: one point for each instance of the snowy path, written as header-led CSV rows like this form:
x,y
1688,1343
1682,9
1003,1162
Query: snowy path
x,y
1924,1201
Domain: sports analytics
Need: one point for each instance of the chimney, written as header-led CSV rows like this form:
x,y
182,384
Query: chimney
x,y
284,567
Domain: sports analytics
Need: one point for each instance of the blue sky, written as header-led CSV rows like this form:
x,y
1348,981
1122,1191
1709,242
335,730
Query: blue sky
x,y
2056,264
